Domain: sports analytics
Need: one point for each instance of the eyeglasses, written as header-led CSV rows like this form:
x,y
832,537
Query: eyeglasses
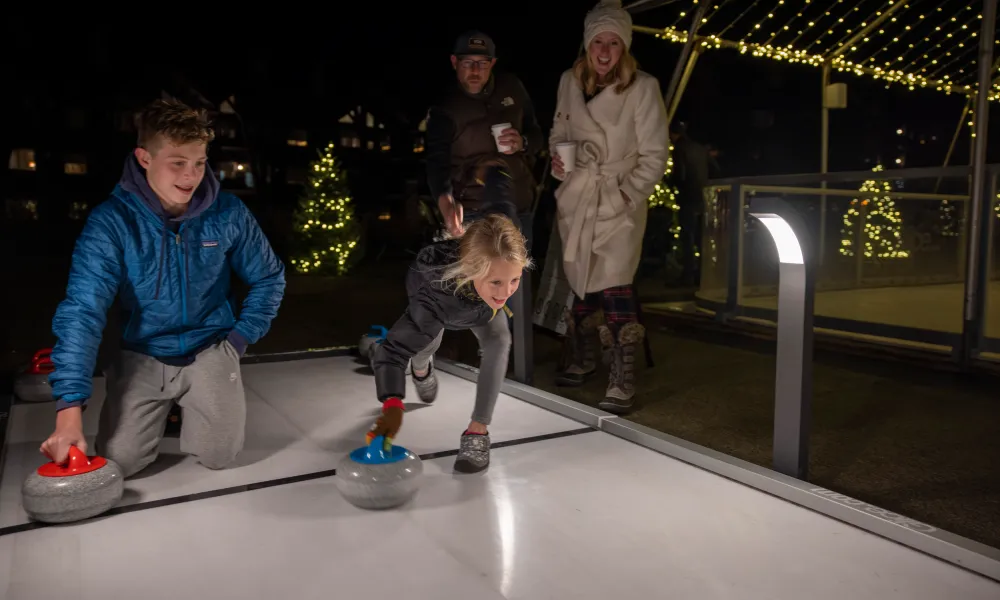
x,y
469,64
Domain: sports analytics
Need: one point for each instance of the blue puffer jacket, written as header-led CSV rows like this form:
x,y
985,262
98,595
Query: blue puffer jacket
x,y
173,278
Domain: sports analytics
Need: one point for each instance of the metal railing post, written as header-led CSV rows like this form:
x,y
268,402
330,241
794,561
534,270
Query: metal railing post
x,y
734,274
523,344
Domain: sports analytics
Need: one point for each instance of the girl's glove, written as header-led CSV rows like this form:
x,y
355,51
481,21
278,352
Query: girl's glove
x,y
388,424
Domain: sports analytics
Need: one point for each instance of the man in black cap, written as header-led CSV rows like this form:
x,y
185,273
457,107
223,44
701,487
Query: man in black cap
x,y
474,167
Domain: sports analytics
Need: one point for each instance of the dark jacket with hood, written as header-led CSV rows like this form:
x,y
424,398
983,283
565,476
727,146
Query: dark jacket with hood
x,y
460,143
434,305
172,275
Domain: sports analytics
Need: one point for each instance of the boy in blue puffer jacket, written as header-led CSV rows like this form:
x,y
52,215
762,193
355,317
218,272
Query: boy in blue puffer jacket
x,y
166,243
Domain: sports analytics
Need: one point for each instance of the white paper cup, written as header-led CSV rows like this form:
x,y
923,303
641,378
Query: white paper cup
x,y
497,130
567,153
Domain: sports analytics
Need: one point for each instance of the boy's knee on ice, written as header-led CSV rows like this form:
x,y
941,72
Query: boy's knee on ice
x,y
219,453
141,391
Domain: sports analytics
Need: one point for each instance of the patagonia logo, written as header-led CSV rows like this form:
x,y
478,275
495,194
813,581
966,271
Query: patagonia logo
x,y
210,243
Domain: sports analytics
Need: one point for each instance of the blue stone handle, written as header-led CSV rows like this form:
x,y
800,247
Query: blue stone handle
x,y
376,451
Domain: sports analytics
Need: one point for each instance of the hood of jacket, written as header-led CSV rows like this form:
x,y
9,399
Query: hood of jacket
x,y
134,181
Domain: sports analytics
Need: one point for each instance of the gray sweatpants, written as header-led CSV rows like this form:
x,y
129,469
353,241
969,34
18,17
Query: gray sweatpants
x,y
494,341
140,392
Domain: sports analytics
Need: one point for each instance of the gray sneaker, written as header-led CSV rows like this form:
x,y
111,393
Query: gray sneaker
x,y
474,453
427,388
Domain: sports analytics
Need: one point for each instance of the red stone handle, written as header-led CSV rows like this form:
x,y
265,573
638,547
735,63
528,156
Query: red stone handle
x,y
77,464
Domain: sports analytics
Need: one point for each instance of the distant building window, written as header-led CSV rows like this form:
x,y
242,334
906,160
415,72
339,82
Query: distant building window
x,y
76,118
126,121
22,159
369,120
298,138
422,127
418,145
386,144
349,141
371,145
234,172
385,216
297,176
75,165
227,131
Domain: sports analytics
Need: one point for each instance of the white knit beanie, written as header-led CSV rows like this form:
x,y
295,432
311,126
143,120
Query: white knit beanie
x,y
608,15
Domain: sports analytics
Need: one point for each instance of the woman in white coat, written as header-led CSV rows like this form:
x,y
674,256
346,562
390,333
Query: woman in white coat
x,y
615,117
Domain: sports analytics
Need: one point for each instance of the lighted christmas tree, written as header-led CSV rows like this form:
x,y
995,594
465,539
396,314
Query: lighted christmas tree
x,y
327,234
882,230
666,195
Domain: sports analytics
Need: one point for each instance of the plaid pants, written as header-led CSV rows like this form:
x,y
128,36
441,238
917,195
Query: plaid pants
x,y
618,304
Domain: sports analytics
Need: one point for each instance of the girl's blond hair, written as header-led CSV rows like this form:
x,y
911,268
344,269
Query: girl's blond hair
x,y
495,236
624,72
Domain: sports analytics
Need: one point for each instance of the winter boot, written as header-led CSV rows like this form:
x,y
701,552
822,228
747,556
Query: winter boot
x,y
427,386
474,453
619,345
578,362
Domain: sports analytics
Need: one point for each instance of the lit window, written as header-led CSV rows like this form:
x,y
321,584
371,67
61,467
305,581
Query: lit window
x,y
298,138
385,216
369,120
371,145
75,165
22,159
233,172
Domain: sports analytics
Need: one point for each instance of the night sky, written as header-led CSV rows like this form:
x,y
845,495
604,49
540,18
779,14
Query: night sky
x,y
400,56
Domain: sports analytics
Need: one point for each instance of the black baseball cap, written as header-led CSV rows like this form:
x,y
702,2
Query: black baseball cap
x,y
474,43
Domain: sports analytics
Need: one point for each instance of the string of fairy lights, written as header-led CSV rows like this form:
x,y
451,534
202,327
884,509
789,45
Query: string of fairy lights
x,y
323,220
919,44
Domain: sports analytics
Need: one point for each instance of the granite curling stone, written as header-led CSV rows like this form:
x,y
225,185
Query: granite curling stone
x,y
82,488
370,339
374,478
32,384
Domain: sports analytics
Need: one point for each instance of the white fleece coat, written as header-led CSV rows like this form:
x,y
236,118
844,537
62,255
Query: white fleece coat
x,y
622,150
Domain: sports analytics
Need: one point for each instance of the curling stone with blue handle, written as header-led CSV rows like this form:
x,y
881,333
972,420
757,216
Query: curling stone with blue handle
x,y
368,340
82,488
374,478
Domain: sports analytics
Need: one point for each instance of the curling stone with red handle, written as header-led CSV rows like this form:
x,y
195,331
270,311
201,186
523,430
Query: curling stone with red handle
x,y
82,488
32,384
